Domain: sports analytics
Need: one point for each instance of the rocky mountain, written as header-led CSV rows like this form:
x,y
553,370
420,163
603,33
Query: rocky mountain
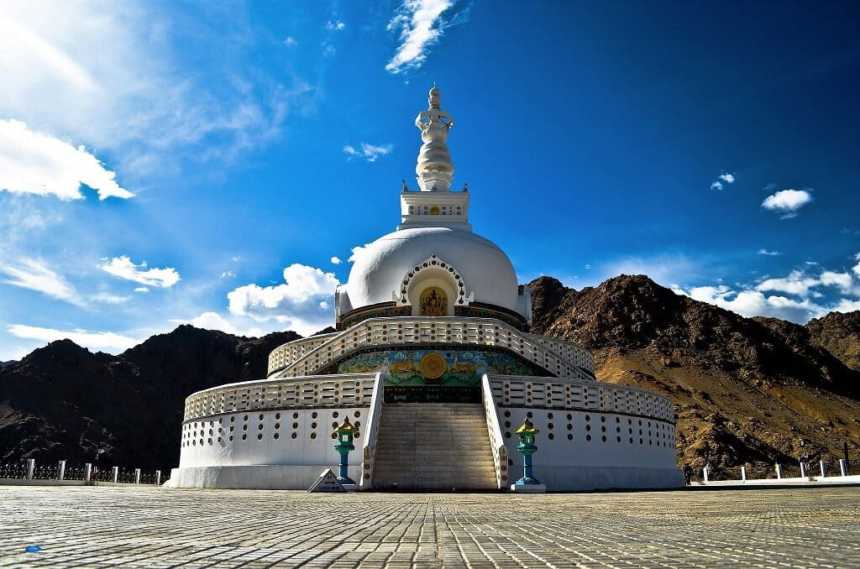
x,y
839,334
62,401
746,390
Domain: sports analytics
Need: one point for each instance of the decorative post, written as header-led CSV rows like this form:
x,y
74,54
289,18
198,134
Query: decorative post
x,y
843,467
31,468
88,472
743,473
821,467
61,470
528,483
345,433
705,472
115,474
137,476
158,478
778,471
802,469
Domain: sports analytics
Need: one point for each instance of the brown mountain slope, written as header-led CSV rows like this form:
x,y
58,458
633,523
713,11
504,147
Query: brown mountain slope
x,y
64,402
746,390
839,334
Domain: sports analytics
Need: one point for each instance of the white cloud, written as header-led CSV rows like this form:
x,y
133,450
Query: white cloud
x,y
796,282
754,303
290,41
36,275
141,290
420,25
97,341
335,26
370,152
841,280
846,305
108,298
296,304
787,202
722,180
358,251
227,275
335,261
769,253
124,268
856,268
36,163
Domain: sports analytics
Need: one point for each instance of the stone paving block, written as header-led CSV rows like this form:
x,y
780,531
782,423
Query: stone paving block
x,y
153,528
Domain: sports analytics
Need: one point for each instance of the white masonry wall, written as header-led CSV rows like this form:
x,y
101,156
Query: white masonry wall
x,y
278,449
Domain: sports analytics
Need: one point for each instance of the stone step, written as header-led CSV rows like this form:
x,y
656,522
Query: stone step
x,y
431,446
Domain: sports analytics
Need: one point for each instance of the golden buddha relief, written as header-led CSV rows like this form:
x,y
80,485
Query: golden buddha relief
x,y
433,302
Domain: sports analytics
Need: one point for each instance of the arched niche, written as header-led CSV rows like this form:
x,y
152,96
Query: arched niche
x,y
433,273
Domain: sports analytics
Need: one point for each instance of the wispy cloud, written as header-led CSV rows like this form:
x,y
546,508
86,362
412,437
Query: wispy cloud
x,y
335,25
335,261
97,341
787,202
797,296
37,275
369,152
723,180
769,253
35,163
420,25
124,268
108,75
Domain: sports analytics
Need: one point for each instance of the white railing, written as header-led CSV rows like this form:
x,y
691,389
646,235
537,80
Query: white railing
x,y
567,350
286,354
324,391
441,330
576,394
497,442
374,418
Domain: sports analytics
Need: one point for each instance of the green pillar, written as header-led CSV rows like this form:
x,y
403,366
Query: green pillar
x,y
345,435
527,448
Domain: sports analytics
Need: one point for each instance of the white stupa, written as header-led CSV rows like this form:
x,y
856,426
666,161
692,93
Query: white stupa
x,y
434,366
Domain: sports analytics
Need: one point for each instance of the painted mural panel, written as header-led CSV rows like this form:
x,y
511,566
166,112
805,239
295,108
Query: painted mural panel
x,y
436,367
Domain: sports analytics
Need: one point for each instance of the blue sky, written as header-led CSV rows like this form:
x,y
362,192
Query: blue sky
x,y
165,162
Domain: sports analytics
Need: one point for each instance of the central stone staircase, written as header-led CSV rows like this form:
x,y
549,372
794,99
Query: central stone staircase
x,y
433,446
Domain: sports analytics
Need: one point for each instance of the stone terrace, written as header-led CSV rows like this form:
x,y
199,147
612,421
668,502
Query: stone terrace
x,y
152,527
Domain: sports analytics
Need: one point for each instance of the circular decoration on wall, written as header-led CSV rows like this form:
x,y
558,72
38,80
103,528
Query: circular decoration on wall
x,y
433,365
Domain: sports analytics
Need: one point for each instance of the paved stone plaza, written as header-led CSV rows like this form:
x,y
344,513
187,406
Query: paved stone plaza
x,y
152,527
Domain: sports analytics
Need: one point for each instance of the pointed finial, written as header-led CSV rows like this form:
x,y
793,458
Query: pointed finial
x,y
434,98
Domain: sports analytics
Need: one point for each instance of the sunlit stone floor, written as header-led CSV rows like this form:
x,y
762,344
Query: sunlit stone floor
x,y
151,527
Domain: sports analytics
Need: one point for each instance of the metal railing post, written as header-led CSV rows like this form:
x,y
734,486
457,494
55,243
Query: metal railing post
x,y
821,467
31,468
115,474
778,471
744,473
843,467
705,474
802,469
88,472
137,476
158,478
61,470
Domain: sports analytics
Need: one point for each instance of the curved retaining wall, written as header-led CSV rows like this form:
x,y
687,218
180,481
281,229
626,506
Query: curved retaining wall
x,y
592,435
